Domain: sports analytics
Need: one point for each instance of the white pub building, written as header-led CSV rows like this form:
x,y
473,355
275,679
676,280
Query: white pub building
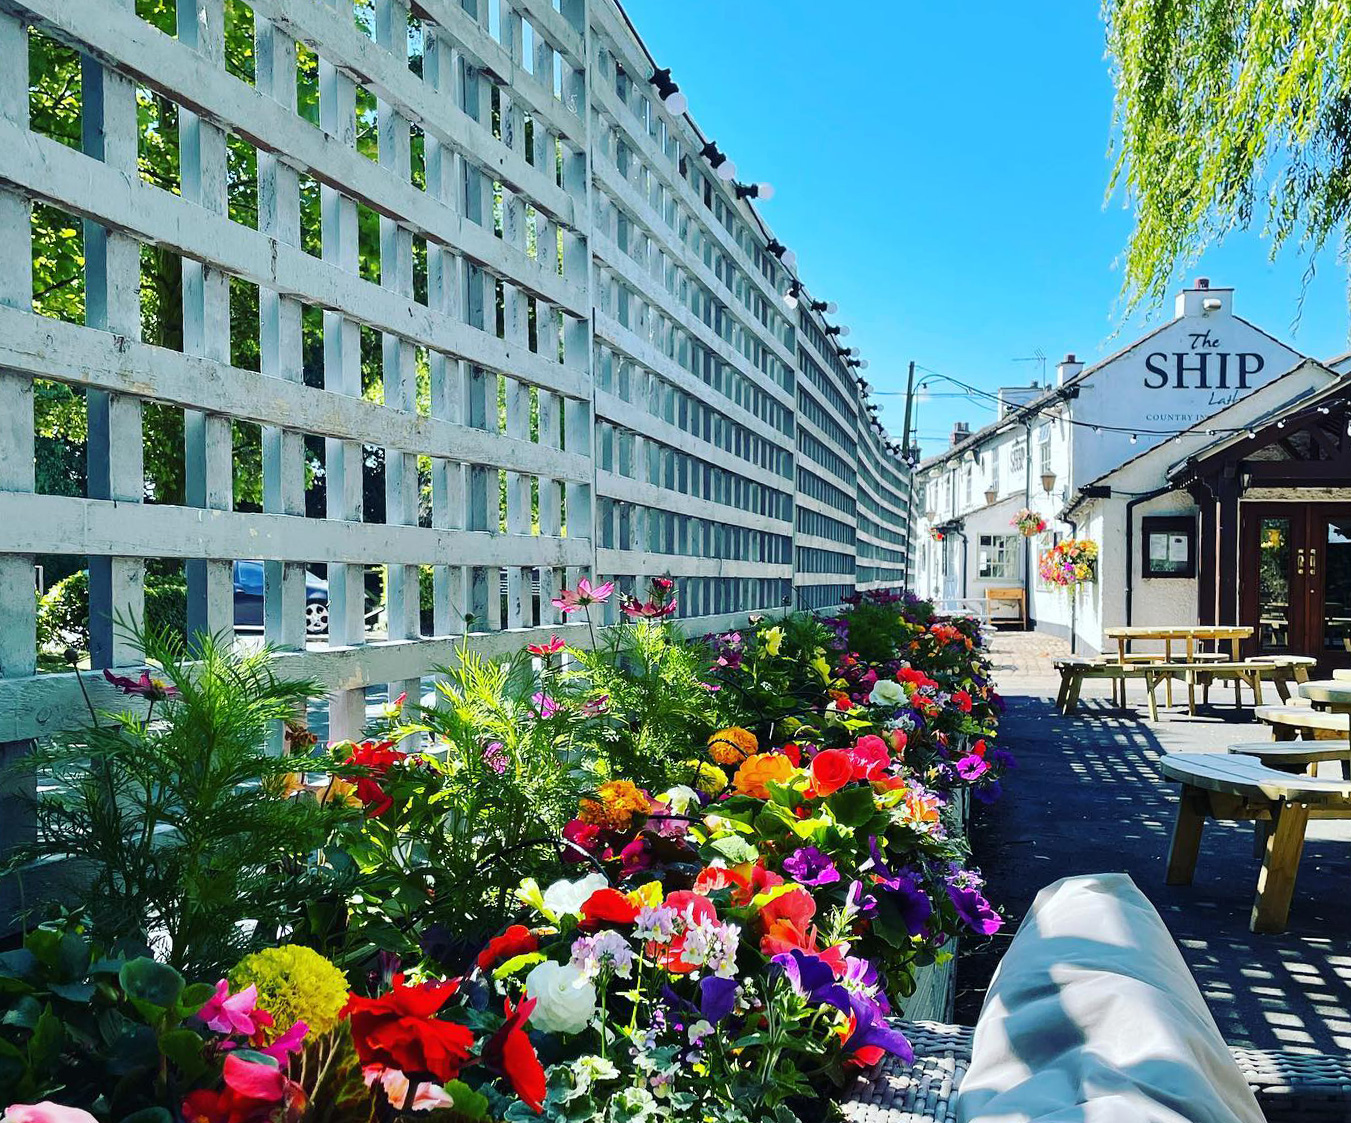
x,y
1119,452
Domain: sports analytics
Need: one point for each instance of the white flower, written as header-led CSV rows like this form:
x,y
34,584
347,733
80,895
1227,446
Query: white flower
x,y
566,898
887,692
565,1000
699,1031
680,798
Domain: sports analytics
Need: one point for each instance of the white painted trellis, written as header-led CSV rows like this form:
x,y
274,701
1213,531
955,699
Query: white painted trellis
x,y
641,324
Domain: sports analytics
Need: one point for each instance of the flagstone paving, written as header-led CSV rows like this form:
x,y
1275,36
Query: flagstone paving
x,y
1087,798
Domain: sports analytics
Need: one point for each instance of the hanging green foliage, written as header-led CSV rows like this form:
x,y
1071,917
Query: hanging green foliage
x,y
1229,113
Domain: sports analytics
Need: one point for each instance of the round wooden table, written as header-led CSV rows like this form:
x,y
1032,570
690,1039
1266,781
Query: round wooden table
x,y
1328,694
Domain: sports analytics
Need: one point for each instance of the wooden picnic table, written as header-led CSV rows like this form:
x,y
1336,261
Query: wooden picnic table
x,y
1328,694
1187,634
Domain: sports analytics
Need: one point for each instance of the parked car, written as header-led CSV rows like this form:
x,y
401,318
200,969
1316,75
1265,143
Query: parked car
x,y
249,598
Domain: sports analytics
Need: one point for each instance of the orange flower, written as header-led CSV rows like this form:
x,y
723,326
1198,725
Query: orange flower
x,y
757,771
732,745
619,802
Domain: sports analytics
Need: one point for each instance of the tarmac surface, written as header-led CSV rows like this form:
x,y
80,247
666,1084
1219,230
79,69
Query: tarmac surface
x,y
1087,797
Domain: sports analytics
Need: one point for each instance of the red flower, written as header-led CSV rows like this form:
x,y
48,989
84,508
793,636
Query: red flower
x,y
842,700
962,700
712,878
516,940
607,907
377,756
151,689
400,1030
793,753
510,1052
787,923
831,770
553,647
761,878
870,758
253,1092
585,839
376,799
693,908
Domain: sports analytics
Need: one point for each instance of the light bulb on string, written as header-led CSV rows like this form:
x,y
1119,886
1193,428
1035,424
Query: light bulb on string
x,y
676,103
1134,439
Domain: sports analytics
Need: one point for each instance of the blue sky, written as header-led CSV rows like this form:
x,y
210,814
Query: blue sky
x,y
940,170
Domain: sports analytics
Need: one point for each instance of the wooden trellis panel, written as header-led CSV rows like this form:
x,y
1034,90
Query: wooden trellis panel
x,y
524,292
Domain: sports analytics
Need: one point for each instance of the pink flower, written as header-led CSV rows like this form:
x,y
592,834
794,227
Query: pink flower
x,y
646,610
711,687
234,1013
292,1041
428,1097
46,1112
546,706
595,707
553,647
570,600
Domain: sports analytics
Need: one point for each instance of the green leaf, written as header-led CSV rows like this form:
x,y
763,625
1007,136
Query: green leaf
x,y
184,1048
734,848
74,992
853,806
194,997
517,963
24,1013
45,944
469,1104
147,982
44,1047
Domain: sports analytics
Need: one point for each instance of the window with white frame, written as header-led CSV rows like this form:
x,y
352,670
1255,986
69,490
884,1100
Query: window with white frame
x,y
1018,456
998,555
1044,448
970,477
994,471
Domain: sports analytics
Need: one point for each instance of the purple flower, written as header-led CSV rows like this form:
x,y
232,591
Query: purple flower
x,y
811,978
636,857
988,793
974,909
865,903
717,997
808,866
906,895
861,979
544,705
972,767
1000,758
871,1031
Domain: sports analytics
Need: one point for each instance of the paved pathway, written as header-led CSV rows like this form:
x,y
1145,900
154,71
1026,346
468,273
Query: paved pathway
x,y
1087,798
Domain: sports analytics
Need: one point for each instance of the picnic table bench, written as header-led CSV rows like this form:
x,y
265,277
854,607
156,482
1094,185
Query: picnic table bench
x,y
1238,788
1280,671
1290,722
1297,756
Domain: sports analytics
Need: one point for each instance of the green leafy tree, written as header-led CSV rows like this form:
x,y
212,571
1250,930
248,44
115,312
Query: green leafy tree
x,y
1230,113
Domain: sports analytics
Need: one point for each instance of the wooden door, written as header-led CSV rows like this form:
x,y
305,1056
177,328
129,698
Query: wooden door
x,y
1295,579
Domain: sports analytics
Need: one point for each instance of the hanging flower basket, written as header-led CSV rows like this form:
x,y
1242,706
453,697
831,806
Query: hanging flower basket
x,y
936,534
1028,522
1070,563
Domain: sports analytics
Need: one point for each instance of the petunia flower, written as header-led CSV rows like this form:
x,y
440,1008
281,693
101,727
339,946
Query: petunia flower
x,y
812,979
809,866
974,909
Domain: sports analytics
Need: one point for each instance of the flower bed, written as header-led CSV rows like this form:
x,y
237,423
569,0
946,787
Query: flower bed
x,y
653,879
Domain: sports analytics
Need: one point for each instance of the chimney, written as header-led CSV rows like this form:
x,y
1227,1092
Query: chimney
x,y
1203,301
1067,368
960,431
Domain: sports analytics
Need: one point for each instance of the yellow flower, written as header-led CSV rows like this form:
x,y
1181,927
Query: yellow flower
x,y
821,667
772,639
757,771
732,745
707,778
619,801
649,894
295,984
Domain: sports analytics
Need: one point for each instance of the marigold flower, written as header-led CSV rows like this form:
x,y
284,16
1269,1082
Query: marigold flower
x,y
617,803
756,772
295,984
706,778
732,745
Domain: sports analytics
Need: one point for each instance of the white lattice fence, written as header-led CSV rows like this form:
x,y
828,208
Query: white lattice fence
x,y
477,243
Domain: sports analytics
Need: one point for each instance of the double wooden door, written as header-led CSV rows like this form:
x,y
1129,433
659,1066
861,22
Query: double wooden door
x,y
1295,579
